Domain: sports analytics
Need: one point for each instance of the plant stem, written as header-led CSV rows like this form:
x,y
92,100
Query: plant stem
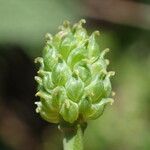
x,y
73,137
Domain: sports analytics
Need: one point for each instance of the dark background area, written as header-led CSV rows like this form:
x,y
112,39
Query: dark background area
x,y
125,28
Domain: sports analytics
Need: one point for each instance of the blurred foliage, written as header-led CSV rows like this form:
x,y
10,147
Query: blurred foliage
x,y
26,22
124,126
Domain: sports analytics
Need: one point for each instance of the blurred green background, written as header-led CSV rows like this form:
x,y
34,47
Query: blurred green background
x,y
125,28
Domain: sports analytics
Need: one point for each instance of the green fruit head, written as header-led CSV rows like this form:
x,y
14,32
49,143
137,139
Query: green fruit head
x,y
73,81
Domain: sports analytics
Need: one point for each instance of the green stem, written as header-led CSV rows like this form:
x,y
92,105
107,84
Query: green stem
x,y
73,137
